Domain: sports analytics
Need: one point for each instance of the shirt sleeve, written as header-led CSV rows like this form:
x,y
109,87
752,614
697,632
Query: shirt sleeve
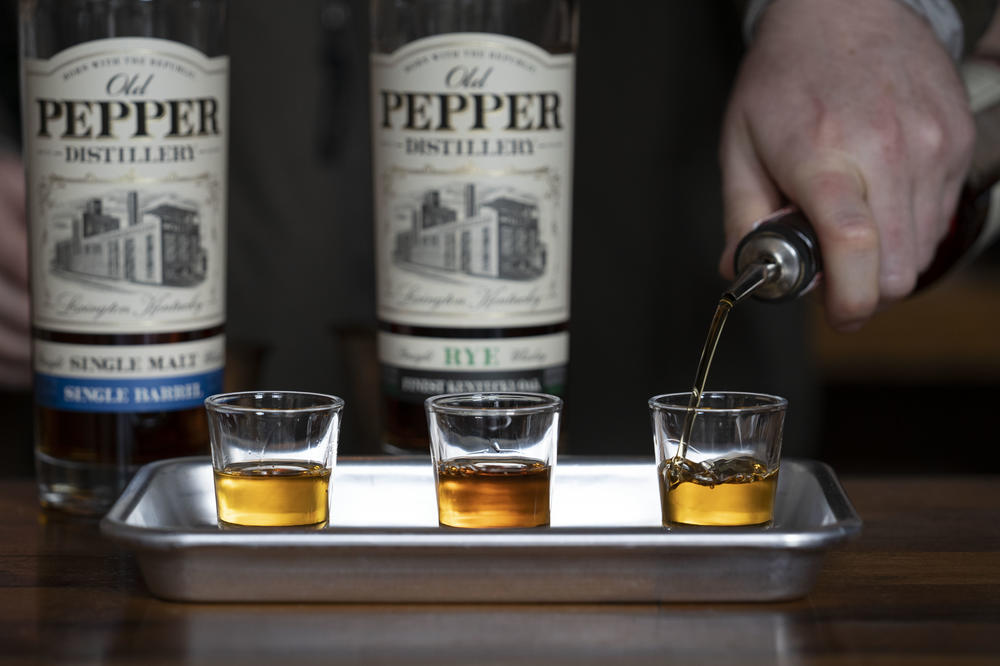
x,y
958,24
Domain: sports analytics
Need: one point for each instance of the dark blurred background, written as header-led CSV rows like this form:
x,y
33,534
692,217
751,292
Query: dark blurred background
x,y
916,389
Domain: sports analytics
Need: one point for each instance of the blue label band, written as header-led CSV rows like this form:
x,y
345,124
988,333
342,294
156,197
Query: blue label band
x,y
163,394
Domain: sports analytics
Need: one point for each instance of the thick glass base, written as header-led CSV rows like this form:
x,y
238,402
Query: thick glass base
x,y
82,488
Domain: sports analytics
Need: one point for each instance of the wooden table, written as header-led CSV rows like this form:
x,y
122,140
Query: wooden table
x,y
920,586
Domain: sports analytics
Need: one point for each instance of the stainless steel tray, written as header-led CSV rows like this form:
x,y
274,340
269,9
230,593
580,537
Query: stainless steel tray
x,y
383,543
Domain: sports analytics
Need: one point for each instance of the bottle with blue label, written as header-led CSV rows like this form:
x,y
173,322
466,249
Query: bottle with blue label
x,y
125,123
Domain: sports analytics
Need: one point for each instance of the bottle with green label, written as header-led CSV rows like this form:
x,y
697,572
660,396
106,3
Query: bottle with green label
x,y
472,121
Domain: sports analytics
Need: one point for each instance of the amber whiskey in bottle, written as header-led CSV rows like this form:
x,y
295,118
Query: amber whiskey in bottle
x,y
125,124
472,121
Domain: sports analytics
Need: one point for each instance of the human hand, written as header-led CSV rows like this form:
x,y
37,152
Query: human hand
x,y
15,323
853,111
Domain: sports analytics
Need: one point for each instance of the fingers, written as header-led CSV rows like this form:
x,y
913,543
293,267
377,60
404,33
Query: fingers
x,y
14,307
934,205
15,336
13,229
871,136
15,375
13,252
832,194
15,345
949,147
748,193
15,322
890,200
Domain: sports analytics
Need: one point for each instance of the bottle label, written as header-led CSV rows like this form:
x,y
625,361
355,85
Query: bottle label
x,y
415,386
473,355
417,367
473,153
125,146
127,378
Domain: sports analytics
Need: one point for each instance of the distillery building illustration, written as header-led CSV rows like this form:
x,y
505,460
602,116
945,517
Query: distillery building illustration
x,y
159,246
496,238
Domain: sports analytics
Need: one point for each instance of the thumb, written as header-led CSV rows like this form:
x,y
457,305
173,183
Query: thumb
x,y
833,193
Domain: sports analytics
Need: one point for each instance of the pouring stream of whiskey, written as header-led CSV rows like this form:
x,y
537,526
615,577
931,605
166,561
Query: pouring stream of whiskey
x,y
752,277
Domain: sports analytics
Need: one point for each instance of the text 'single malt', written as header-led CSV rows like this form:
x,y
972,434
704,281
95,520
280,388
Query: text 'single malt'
x,y
125,127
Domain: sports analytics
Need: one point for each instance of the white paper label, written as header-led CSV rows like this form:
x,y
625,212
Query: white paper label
x,y
125,145
473,152
474,355
127,378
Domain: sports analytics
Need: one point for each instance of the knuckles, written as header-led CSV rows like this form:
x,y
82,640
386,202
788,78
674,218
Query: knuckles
x,y
943,141
854,232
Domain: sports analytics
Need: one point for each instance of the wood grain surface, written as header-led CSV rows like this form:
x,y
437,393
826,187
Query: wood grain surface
x,y
920,586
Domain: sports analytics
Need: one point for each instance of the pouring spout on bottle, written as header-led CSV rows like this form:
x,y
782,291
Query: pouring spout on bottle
x,y
750,278
786,242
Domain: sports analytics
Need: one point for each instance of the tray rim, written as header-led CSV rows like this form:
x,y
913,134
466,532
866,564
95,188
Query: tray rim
x,y
847,523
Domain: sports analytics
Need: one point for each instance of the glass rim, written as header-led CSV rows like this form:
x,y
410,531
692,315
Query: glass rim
x,y
221,402
768,403
464,404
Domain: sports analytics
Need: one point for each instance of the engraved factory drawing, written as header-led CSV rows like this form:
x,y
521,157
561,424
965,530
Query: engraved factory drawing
x,y
159,244
495,238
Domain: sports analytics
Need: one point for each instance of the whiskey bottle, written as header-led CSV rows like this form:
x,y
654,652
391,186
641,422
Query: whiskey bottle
x,y
786,242
472,121
125,126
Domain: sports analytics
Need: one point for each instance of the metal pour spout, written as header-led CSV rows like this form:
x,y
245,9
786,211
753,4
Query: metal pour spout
x,y
785,249
753,276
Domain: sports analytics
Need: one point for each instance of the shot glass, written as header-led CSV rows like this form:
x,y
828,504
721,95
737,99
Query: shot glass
x,y
493,456
273,453
726,470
